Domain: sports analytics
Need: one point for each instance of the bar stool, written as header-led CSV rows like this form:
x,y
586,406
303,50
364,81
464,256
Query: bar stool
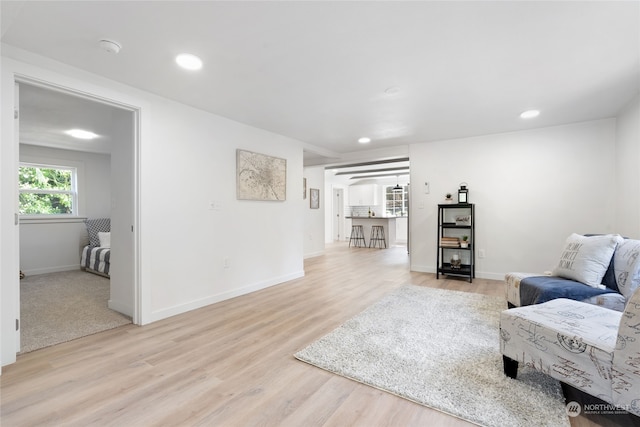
x,y
357,237
377,237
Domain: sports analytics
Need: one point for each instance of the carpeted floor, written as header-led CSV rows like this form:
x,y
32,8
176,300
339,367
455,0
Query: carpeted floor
x,y
440,349
60,307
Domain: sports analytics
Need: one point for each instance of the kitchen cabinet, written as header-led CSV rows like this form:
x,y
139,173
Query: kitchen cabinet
x,y
363,195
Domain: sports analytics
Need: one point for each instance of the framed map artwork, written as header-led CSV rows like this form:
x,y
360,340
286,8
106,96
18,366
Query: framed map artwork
x,y
260,177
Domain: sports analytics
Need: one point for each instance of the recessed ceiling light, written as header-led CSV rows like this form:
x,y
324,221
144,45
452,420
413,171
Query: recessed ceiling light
x,y
364,140
530,114
81,134
189,61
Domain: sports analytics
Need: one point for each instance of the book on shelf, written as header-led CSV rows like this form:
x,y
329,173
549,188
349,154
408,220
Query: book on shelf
x,y
450,242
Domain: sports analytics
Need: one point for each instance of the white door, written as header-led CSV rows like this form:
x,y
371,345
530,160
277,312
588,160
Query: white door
x,y
122,297
16,141
9,241
338,214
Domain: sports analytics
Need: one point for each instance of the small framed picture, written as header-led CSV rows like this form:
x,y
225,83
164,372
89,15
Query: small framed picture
x,y
314,196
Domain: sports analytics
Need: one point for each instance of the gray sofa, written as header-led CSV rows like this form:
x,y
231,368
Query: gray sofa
x,y
612,265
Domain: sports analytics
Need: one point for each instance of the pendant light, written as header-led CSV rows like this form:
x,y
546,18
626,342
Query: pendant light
x,y
397,188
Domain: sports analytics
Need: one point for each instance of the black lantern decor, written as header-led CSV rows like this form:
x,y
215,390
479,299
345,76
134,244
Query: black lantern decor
x,y
463,193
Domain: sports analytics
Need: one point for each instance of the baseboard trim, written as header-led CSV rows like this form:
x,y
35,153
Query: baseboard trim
x,y
203,302
120,308
47,270
313,254
479,274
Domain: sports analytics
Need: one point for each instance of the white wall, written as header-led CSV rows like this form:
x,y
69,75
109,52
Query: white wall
x,y
628,170
314,219
188,162
47,247
531,190
187,158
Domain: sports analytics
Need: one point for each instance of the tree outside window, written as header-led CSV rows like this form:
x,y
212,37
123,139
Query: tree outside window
x,y
47,190
397,202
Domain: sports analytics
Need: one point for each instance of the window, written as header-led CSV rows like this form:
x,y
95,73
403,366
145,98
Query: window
x,y
397,202
47,190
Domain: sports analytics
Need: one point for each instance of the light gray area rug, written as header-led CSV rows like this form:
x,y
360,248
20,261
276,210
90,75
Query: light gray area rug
x,y
440,349
60,307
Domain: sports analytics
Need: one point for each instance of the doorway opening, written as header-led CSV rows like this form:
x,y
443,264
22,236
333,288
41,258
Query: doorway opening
x,y
369,191
105,173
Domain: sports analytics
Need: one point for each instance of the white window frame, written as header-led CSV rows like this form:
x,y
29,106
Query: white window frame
x,y
77,171
405,198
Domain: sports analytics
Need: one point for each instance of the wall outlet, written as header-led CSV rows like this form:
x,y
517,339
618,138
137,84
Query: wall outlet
x,y
226,262
481,253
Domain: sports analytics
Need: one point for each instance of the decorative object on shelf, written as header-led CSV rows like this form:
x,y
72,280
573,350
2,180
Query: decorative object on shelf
x,y
449,242
369,211
304,188
447,198
314,196
260,177
463,219
463,193
455,261
464,243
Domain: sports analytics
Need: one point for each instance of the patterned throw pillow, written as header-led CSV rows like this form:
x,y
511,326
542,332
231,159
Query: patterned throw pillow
x,y
585,259
626,264
95,226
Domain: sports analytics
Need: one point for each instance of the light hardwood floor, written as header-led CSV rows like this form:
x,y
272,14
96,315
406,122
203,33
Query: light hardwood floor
x,y
231,363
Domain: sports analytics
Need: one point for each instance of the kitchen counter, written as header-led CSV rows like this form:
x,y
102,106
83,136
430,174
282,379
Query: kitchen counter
x,y
374,217
387,222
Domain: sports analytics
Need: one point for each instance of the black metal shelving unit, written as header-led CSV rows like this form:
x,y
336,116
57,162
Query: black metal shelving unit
x,y
450,225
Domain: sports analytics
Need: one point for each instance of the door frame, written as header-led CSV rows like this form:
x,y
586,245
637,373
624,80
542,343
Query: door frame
x,y
338,214
140,300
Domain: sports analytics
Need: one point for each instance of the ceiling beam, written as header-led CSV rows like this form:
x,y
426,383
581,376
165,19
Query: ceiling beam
x,y
374,162
399,168
360,176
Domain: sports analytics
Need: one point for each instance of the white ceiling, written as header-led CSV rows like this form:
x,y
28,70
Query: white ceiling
x,y
327,73
46,115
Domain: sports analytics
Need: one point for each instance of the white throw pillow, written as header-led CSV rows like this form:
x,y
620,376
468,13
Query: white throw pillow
x,y
105,239
626,265
586,259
